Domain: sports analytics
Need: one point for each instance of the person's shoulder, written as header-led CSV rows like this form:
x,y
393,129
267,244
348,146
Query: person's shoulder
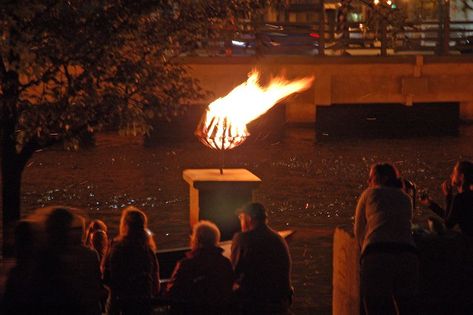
x,y
224,260
184,262
465,195
368,191
392,191
117,246
239,237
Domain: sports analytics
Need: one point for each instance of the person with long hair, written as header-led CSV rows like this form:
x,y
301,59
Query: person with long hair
x,y
131,267
458,192
389,266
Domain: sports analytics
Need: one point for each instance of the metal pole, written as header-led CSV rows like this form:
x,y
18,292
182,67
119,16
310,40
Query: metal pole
x,y
446,27
322,28
223,146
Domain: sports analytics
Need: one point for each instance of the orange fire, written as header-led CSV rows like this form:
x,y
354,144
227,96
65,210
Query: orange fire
x,y
223,125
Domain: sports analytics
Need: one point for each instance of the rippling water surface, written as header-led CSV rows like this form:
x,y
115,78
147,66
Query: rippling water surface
x,y
307,186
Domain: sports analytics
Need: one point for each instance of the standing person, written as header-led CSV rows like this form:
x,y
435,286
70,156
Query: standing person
x,y
131,268
458,206
262,264
67,277
202,282
389,263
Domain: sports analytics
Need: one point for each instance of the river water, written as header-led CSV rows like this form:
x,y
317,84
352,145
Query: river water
x,y
308,186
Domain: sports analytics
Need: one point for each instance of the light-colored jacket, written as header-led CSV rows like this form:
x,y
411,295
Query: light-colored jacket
x,y
383,215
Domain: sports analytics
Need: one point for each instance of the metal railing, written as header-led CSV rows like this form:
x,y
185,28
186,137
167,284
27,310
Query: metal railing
x,y
427,37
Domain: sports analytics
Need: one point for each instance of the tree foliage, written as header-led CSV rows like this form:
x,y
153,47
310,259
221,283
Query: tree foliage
x,y
69,67
83,64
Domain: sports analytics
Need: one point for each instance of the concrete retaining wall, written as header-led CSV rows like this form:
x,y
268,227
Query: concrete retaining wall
x,y
348,80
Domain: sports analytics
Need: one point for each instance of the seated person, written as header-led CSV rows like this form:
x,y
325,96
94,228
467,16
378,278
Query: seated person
x,y
262,264
459,206
202,282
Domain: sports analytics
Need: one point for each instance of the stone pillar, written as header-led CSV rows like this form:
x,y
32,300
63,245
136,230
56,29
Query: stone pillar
x,y
466,111
216,197
346,274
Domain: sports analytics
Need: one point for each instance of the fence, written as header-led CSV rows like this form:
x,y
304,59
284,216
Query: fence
x,y
428,37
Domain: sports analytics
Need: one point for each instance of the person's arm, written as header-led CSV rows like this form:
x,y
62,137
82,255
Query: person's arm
x,y
156,284
105,267
447,191
437,209
454,212
237,258
360,220
235,250
114,267
176,288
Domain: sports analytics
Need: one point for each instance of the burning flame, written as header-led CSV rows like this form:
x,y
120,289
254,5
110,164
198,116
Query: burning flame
x,y
223,125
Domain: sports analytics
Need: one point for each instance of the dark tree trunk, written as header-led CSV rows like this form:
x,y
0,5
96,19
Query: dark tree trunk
x,y
11,192
12,163
12,166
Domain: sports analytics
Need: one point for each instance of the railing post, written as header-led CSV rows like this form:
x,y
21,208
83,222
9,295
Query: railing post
x,y
321,28
444,27
384,51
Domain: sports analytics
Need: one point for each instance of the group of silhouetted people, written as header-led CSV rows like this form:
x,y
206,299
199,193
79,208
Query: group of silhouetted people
x,y
389,262
63,268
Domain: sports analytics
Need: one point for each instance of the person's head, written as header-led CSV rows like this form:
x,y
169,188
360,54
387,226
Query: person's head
x,y
58,226
95,225
204,234
462,175
134,226
77,230
384,174
133,221
251,216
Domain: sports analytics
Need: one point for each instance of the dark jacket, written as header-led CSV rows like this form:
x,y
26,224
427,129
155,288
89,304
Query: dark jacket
x,y
262,266
67,282
132,272
459,210
202,282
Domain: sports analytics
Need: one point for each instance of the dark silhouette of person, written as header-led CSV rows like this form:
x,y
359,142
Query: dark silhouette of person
x,y
17,295
262,264
131,268
389,270
459,205
67,278
202,282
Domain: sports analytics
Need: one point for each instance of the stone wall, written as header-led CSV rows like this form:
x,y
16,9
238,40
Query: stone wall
x,y
348,80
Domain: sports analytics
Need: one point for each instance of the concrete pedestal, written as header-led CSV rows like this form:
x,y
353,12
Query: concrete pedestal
x,y
216,197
